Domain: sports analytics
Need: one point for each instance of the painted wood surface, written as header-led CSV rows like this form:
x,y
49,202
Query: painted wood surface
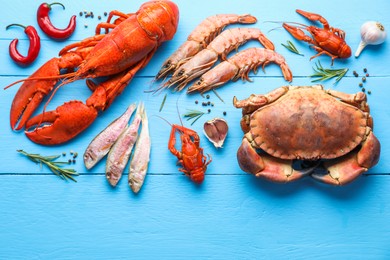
x,y
232,215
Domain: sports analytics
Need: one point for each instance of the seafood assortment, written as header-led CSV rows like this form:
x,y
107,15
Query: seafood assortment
x,y
221,46
118,54
329,133
200,37
191,156
320,127
327,40
239,66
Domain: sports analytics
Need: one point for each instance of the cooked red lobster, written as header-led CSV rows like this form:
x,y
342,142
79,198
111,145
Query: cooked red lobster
x,y
191,156
328,40
127,45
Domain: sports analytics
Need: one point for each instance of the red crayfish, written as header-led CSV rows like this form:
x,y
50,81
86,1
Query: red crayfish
x,y
191,156
127,45
327,40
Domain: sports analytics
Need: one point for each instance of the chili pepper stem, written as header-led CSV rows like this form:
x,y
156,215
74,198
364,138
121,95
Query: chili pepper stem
x,y
56,3
15,24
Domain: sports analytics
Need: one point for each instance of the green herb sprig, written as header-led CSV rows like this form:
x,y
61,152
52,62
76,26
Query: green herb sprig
x,y
193,115
291,47
324,74
55,167
163,102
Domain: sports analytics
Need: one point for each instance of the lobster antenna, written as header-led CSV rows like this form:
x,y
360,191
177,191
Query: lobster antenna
x,y
177,109
66,81
273,29
162,119
62,76
301,24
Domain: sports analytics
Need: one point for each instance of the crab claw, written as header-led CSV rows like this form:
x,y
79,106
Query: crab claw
x,y
31,93
60,125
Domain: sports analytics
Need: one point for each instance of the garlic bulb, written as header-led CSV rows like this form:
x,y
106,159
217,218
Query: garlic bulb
x,y
372,33
216,130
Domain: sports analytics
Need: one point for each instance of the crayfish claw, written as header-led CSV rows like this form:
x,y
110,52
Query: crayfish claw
x,y
60,125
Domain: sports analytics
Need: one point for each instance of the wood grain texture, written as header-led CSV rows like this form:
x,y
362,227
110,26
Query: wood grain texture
x,y
232,215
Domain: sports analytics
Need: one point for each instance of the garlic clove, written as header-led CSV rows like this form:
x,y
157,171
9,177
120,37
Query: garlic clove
x,y
216,131
372,33
361,46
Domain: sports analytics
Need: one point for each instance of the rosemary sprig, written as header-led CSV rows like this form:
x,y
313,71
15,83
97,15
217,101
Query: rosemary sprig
x,y
55,167
324,74
193,114
291,47
215,92
163,102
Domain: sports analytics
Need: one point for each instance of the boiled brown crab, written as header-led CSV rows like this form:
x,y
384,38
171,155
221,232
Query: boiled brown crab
x,y
308,124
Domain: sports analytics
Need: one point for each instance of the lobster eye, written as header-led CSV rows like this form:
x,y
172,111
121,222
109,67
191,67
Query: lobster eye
x,y
168,64
181,73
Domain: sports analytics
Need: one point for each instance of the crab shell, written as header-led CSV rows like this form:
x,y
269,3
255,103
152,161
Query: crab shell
x,y
311,124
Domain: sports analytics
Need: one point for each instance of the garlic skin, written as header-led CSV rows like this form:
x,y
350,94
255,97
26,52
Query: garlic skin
x,y
216,131
372,33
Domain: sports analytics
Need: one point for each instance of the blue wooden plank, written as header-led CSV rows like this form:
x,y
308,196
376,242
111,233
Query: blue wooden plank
x,y
229,217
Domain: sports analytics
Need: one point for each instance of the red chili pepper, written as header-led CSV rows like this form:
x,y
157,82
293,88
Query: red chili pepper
x,y
33,50
48,28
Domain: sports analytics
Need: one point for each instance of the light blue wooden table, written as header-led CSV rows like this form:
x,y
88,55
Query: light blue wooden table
x,y
232,215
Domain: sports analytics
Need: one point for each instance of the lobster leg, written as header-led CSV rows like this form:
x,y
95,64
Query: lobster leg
x,y
314,17
188,132
322,51
172,139
172,142
91,41
298,33
317,17
108,25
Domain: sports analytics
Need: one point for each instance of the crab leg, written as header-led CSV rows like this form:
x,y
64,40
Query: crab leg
x,y
347,168
268,167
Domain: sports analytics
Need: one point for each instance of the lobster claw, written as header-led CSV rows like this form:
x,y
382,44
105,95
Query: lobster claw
x,y
60,125
31,93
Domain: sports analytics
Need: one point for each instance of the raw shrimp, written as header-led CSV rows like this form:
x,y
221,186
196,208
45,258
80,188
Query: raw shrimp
x,y
222,45
239,66
200,37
